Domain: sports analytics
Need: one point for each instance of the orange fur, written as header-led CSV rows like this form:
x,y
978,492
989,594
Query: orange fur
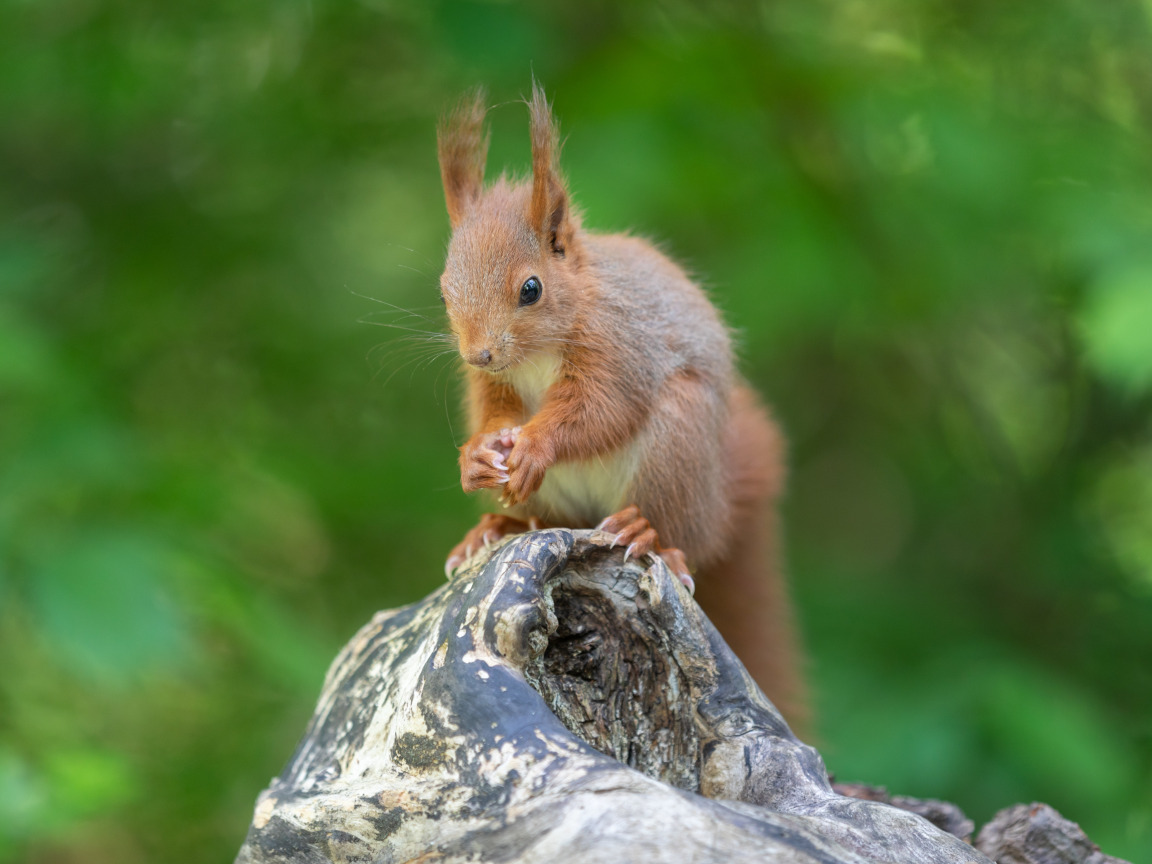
x,y
620,378
463,147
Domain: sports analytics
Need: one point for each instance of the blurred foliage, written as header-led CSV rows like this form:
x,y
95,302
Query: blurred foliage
x,y
929,221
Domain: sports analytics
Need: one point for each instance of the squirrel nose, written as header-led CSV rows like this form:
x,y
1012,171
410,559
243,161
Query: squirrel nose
x,y
481,358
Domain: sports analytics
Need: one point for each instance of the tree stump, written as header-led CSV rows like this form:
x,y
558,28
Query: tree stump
x,y
552,703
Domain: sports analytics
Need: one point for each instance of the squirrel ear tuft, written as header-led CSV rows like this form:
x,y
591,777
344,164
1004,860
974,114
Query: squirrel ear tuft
x,y
462,143
548,212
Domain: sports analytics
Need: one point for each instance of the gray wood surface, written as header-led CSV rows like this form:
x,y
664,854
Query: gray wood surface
x,y
552,703
1037,834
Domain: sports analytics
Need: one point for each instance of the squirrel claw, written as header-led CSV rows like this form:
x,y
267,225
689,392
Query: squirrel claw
x,y
678,564
636,551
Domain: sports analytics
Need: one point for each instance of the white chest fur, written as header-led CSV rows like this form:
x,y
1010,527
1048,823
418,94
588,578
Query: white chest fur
x,y
533,376
574,493
581,494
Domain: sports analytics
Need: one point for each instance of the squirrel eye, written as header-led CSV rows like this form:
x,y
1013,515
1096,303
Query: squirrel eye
x,y
530,291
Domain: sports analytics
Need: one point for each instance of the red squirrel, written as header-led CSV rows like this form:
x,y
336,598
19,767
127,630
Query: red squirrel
x,y
602,392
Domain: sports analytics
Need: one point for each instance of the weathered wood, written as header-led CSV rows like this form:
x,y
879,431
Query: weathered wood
x,y
943,814
1037,834
553,703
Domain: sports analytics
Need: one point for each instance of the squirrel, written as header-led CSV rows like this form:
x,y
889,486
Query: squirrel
x,y
601,392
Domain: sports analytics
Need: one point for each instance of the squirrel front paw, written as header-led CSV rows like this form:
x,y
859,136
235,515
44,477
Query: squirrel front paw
x,y
483,459
529,460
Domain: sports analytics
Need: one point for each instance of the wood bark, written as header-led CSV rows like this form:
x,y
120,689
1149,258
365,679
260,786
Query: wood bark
x,y
554,703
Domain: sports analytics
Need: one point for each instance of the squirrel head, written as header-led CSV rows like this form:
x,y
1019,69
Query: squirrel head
x,y
512,274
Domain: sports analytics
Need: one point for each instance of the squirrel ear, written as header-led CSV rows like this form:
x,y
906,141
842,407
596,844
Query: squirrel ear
x,y
462,143
548,211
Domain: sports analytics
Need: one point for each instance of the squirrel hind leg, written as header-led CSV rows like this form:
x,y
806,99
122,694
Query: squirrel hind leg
x,y
636,534
632,531
491,528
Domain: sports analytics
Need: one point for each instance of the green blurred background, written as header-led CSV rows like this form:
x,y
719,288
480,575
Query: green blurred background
x,y
931,223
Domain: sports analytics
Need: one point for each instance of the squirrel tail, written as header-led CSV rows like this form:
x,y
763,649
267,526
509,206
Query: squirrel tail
x,y
745,593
